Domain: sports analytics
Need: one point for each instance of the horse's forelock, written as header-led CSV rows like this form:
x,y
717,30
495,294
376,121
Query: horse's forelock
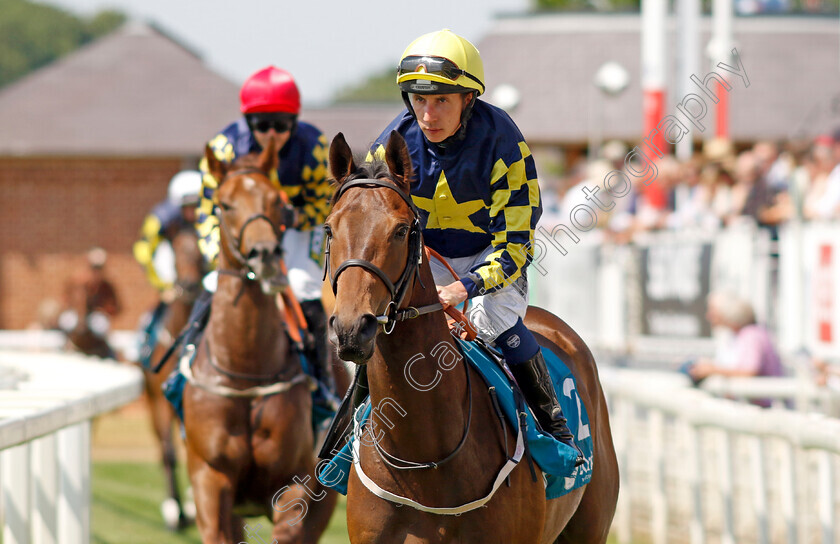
x,y
251,160
376,169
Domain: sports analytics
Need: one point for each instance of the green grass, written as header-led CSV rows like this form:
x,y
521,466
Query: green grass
x,y
126,509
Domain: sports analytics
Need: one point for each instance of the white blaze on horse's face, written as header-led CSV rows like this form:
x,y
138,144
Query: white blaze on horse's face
x,y
252,209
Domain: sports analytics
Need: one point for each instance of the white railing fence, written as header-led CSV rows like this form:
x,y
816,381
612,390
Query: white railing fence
x,y
698,469
45,419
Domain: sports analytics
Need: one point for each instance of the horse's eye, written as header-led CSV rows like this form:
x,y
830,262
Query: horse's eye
x,y
225,206
401,232
327,230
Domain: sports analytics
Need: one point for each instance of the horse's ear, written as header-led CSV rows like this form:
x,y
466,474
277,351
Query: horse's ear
x,y
268,160
341,158
214,165
398,160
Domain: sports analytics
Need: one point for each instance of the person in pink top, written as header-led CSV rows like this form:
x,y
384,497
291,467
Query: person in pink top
x,y
751,351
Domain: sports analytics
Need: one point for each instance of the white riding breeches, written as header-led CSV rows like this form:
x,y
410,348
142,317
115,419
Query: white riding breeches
x,y
302,253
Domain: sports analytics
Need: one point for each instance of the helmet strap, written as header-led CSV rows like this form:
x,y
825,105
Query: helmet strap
x,y
408,104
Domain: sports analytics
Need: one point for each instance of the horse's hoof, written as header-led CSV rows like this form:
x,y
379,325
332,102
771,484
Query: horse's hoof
x,y
171,513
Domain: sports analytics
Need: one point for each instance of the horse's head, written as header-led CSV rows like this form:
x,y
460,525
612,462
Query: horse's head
x,y
374,244
253,215
189,265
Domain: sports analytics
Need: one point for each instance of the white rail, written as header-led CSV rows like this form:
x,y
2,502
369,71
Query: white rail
x,y
696,469
45,441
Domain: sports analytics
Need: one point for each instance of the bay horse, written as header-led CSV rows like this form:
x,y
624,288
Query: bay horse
x,y
84,324
448,435
247,404
189,269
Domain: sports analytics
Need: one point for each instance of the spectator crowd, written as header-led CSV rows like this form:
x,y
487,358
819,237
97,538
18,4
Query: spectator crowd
x,y
768,183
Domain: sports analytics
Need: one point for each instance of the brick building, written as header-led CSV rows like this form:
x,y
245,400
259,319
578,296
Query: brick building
x,y
87,146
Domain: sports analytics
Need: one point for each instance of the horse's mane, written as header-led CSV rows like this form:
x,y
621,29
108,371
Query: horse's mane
x,y
375,169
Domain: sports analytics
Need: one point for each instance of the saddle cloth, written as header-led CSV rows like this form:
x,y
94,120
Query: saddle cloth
x,y
556,460
173,390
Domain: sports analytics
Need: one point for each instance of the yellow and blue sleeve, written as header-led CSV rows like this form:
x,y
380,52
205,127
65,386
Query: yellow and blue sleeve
x,y
316,190
144,250
514,212
207,224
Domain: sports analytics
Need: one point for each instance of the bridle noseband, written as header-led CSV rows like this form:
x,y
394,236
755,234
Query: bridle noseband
x,y
399,289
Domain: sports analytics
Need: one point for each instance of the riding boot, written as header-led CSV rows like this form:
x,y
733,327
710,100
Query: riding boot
x,y
535,383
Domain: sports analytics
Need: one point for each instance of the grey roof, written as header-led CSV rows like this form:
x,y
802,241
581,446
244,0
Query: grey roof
x,y
791,62
361,125
135,92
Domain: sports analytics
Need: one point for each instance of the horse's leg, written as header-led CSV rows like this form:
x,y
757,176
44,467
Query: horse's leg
x,y
214,493
320,512
162,419
238,528
298,517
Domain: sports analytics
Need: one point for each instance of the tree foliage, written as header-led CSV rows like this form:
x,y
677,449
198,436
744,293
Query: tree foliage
x,y
32,35
582,5
380,87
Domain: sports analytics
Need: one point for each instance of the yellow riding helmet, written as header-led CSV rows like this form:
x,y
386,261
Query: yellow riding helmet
x,y
441,62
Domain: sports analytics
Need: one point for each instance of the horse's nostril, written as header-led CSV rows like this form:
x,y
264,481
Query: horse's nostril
x,y
253,254
278,251
367,327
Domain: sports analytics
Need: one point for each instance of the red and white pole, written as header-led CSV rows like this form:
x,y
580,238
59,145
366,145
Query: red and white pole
x,y
720,50
654,14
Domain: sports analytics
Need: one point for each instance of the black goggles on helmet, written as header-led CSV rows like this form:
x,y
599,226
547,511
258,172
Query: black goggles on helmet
x,y
263,122
437,66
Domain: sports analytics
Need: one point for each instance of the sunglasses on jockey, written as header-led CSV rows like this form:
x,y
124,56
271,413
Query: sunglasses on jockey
x,y
437,66
263,122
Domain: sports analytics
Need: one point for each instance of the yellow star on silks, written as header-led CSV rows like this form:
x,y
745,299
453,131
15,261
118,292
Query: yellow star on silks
x,y
447,213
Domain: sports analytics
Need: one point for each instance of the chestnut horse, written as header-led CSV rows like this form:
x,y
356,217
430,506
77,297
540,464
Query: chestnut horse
x,y
189,268
85,327
247,405
449,435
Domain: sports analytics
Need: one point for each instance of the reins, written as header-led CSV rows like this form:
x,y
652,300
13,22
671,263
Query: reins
x,y
399,289
392,460
394,313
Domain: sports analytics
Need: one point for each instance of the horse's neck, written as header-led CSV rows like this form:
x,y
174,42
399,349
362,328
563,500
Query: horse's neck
x,y
179,314
411,373
246,328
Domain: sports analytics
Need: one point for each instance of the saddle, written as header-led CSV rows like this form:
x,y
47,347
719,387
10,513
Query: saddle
x,y
295,327
555,459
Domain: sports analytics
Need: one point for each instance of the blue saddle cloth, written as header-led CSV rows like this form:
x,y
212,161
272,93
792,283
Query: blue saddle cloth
x,y
149,335
555,459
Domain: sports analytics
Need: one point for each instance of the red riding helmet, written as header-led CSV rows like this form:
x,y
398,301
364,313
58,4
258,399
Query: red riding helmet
x,y
270,90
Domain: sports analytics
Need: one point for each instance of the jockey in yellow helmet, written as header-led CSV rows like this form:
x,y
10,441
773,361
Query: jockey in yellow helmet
x,y
479,199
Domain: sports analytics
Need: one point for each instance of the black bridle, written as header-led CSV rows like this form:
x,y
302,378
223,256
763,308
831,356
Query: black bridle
x,y
399,289
393,313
